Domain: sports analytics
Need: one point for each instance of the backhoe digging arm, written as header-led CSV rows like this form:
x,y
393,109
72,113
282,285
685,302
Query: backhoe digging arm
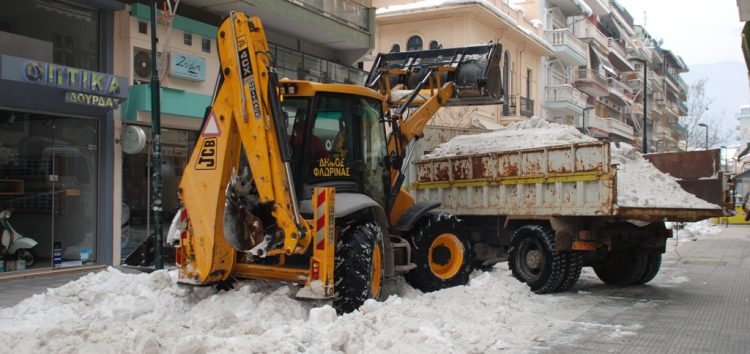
x,y
246,113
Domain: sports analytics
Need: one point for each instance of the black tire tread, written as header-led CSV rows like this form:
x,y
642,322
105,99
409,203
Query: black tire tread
x,y
652,267
572,270
622,268
551,281
353,266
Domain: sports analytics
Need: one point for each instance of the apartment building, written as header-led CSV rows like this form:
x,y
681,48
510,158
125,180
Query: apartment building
x,y
594,79
415,25
313,40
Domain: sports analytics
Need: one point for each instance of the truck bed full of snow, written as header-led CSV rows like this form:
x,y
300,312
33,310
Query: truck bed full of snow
x,y
539,168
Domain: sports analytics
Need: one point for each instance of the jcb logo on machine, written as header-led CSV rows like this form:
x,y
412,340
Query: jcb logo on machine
x,y
207,156
244,56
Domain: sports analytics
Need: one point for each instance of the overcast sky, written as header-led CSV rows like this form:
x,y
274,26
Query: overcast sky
x,y
701,32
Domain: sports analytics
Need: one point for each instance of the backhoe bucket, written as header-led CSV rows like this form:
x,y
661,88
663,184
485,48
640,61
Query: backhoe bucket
x,y
476,72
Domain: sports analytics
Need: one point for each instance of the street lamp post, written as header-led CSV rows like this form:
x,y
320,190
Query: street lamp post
x,y
705,126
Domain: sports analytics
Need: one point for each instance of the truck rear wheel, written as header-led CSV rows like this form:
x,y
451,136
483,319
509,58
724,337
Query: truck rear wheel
x,y
653,264
622,267
358,269
442,251
533,260
573,264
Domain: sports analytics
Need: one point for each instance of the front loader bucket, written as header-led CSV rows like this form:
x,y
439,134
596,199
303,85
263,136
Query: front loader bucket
x,y
476,72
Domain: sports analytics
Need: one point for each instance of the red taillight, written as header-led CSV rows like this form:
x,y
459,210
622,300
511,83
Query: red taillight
x,y
178,255
315,270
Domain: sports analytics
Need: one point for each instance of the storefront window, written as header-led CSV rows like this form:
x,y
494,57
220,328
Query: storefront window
x,y
176,146
48,189
67,34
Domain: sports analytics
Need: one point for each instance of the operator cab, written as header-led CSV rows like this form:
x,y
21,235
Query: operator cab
x,y
337,136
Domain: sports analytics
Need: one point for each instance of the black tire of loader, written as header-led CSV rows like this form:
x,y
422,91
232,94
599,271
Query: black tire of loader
x,y
427,229
653,265
544,278
622,267
571,270
353,269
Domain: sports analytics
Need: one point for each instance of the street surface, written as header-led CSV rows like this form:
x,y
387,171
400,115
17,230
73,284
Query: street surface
x,y
699,303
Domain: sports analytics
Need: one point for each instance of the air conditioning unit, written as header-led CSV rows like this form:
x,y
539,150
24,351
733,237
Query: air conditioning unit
x,y
142,66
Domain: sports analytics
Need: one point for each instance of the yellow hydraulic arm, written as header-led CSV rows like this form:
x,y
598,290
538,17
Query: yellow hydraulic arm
x,y
245,114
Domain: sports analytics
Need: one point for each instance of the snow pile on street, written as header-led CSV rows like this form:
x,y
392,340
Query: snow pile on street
x,y
527,134
695,230
639,183
116,312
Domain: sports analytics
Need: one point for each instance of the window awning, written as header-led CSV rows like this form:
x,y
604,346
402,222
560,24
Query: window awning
x,y
601,62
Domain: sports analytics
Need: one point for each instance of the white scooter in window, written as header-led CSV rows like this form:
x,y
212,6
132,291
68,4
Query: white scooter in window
x,y
11,242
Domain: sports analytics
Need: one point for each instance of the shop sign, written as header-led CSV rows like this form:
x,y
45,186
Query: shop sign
x,y
82,86
187,67
91,99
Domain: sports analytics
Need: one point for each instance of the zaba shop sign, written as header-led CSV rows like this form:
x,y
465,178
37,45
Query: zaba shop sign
x,y
84,87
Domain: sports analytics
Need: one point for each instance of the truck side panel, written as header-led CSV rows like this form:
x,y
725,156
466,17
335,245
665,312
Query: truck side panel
x,y
569,180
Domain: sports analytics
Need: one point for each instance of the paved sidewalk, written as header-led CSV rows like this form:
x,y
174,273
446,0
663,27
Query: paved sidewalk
x,y
707,311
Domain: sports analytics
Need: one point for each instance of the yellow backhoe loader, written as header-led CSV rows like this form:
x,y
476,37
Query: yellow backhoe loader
x,y
301,182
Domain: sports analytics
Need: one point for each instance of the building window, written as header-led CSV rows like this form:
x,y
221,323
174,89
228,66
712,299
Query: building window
x,y
187,38
395,48
435,45
206,45
142,27
414,43
70,32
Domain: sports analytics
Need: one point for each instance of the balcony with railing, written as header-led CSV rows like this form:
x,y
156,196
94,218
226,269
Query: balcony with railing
x,y
682,108
672,108
635,48
655,81
527,107
567,47
611,126
617,48
349,12
683,91
591,83
292,64
586,30
564,99
618,89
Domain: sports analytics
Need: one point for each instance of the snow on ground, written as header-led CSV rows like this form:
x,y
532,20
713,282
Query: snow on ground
x,y
695,230
111,311
639,183
115,312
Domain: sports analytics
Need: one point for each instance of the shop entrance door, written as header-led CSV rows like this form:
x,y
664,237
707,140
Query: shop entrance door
x,y
72,160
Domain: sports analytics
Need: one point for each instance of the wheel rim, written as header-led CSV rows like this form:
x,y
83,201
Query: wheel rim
x,y
446,256
530,260
376,272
